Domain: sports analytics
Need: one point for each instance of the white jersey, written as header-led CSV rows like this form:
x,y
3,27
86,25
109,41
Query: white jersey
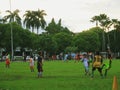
x,y
85,62
31,62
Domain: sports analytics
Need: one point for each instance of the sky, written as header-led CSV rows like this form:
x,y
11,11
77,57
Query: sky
x,y
75,14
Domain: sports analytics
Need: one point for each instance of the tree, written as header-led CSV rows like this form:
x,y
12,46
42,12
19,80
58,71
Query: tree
x,y
2,20
47,44
62,40
99,32
54,28
29,20
22,37
34,19
13,16
95,19
40,19
104,23
87,41
103,19
70,49
107,24
116,26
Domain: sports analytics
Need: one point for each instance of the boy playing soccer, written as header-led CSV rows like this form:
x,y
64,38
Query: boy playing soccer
x,y
97,64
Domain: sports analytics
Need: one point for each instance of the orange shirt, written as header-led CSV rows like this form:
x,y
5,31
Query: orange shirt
x,y
7,61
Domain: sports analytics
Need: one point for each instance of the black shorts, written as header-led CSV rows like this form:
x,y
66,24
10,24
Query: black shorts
x,y
40,69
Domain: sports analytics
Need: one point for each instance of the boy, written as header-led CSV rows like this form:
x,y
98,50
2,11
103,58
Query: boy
x,y
97,64
39,65
86,64
107,64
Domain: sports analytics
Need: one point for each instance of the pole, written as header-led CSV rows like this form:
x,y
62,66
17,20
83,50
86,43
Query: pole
x,y
11,36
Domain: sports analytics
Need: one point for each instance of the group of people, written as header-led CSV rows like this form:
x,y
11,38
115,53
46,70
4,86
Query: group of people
x,y
39,64
97,63
31,61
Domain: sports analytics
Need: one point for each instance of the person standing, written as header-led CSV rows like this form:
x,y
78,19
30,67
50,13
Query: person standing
x,y
31,64
7,61
97,64
86,64
40,64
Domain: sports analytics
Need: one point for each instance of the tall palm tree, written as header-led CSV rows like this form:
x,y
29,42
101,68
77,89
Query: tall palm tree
x,y
107,25
41,21
29,20
13,16
2,20
103,21
34,19
95,19
116,26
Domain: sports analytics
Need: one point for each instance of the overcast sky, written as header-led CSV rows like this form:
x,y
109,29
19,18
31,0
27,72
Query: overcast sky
x,y
75,14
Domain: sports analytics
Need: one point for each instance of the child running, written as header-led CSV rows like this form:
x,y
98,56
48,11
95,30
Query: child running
x,y
86,64
97,64
107,63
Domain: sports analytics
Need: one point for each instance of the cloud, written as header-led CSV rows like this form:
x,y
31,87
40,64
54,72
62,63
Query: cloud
x,y
75,14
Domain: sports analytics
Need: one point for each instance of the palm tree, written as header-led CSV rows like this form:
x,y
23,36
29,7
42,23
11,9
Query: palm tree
x,y
29,20
2,20
13,16
103,21
107,25
95,19
40,19
34,19
116,26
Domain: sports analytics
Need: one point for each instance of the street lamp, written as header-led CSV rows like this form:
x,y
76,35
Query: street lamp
x,y
11,35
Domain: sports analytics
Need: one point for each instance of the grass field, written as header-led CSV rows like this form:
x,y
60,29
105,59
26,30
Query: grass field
x,y
57,75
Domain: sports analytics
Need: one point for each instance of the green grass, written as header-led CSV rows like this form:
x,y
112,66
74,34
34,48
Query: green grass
x,y
57,75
